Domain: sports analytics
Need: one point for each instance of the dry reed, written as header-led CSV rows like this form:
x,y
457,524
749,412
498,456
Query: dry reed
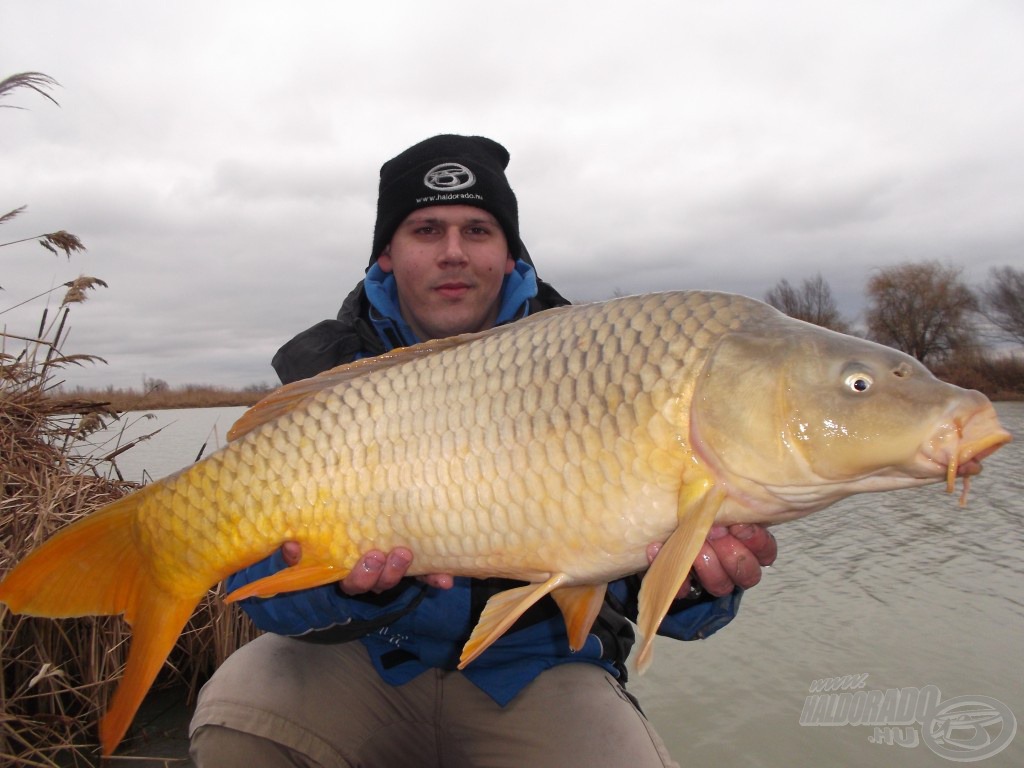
x,y
58,675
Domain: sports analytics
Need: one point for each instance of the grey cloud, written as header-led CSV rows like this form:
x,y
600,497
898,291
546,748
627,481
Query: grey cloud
x,y
220,160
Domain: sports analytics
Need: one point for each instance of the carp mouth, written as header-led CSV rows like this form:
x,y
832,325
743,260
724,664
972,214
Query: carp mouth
x,y
959,446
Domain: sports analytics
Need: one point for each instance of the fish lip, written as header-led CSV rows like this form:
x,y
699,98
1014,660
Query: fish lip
x,y
965,438
968,432
984,447
970,456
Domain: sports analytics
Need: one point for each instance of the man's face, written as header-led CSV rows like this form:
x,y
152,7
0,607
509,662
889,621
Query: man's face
x,y
449,262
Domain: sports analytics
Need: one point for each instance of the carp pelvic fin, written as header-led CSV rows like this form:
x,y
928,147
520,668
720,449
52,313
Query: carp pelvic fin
x,y
580,606
290,579
93,568
501,612
671,567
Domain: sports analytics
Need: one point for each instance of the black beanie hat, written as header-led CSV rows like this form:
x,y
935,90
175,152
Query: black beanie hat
x,y
446,170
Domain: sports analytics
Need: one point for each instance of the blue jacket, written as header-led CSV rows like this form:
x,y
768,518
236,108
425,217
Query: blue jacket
x,y
414,627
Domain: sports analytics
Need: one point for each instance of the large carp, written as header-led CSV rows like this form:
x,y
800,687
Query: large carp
x,y
552,451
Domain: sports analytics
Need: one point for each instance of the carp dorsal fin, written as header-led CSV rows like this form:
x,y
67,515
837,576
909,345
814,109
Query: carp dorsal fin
x,y
286,398
670,568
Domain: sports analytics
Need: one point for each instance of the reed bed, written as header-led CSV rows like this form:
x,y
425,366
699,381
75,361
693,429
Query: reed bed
x,y
57,675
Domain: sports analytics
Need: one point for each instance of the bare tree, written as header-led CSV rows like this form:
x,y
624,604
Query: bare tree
x,y
1002,301
812,302
921,308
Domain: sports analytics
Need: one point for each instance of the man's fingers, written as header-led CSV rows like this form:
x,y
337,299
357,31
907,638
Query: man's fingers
x,y
395,566
759,540
438,580
731,557
291,552
377,572
711,572
737,566
364,574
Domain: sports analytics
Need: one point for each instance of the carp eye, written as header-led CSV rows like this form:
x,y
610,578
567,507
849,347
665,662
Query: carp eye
x,y
859,382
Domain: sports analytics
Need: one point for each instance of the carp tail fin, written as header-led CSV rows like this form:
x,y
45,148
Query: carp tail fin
x,y
94,568
86,569
155,629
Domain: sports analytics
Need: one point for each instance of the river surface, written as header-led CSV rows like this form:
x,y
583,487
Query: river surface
x,y
905,592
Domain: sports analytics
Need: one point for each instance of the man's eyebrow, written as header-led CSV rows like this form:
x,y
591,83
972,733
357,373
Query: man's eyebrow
x,y
435,220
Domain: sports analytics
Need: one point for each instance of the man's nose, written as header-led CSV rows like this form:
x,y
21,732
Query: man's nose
x,y
454,246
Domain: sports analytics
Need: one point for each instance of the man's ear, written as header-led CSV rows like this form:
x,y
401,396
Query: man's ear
x,y
384,260
510,264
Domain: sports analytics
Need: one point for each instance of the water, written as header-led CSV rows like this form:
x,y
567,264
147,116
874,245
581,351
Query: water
x,y
182,434
906,588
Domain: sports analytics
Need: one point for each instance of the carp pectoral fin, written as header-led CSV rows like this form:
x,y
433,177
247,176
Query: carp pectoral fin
x,y
670,568
580,606
289,580
501,612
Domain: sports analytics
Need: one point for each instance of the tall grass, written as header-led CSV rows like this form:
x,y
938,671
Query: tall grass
x,y
57,675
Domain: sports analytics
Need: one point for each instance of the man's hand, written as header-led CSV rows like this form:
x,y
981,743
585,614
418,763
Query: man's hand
x,y
375,571
731,557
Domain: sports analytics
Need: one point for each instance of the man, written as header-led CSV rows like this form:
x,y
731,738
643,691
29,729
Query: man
x,y
364,673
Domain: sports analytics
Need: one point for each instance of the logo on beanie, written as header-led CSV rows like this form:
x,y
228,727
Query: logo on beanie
x,y
449,176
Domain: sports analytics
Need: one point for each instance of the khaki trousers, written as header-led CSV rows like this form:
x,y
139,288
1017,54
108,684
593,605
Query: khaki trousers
x,y
284,702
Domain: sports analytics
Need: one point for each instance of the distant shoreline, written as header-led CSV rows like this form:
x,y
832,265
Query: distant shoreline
x,y
163,399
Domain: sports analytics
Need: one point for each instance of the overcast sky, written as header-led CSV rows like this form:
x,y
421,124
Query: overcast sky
x,y
219,159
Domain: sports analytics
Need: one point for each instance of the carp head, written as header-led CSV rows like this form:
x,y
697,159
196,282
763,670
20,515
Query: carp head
x,y
793,417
